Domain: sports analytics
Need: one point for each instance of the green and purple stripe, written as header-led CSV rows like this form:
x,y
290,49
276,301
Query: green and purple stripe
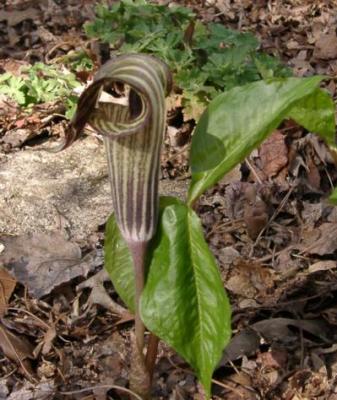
x,y
132,142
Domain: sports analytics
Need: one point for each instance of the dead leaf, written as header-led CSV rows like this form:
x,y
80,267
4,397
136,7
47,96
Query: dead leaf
x,y
17,137
311,213
273,359
326,47
244,343
43,261
268,331
321,241
234,175
314,177
275,329
14,17
44,390
273,154
16,349
322,266
48,339
7,286
99,295
251,280
255,212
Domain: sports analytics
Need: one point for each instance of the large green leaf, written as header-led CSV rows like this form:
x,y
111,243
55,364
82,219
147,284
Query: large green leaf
x,y
237,121
118,263
316,113
184,301
118,260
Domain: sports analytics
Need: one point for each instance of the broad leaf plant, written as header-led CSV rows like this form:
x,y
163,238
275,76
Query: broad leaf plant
x,y
155,250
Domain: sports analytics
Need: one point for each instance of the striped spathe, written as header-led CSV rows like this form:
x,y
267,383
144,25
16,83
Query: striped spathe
x,y
133,136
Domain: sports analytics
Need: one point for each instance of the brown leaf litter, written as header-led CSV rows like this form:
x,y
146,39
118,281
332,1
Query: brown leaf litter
x,y
42,262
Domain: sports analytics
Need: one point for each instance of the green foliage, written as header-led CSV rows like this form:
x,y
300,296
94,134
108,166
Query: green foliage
x,y
212,60
237,121
118,263
184,301
40,83
77,61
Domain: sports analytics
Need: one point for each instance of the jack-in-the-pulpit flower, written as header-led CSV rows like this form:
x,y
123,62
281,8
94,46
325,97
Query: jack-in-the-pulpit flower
x,y
133,136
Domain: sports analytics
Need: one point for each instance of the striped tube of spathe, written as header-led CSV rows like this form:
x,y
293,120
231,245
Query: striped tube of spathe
x,y
133,136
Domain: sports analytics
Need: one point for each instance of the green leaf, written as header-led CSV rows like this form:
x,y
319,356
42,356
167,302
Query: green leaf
x,y
333,197
184,302
5,77
316,113
118,263
236,122
118,260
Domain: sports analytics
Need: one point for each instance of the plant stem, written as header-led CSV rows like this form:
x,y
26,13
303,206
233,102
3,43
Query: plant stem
x,y
151,354
138,251
140,379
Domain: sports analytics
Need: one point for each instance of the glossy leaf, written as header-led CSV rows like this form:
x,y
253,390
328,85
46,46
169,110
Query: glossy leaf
x,y
316,113
118,263
237,121
118,260
184,302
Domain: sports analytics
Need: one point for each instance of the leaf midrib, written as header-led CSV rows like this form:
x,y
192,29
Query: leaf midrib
x,y
195,279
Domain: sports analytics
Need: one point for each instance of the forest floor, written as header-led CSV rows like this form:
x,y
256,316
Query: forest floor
x,y
268,222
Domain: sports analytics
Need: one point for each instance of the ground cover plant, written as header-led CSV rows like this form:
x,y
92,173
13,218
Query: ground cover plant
x,y
204,58
41,83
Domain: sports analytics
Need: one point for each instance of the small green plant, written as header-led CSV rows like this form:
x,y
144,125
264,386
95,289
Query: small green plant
x,y
41,83
157,258
205,59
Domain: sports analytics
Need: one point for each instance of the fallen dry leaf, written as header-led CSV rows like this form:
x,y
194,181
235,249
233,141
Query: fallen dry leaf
x,y
321,241
251,280
247,341
48,339
322,266
43,261
7,286
255,212
16,349
273,154
326,47
244,343
44,390
99,295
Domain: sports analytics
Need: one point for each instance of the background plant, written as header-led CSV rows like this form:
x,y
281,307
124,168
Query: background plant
x,y
205,59
41,83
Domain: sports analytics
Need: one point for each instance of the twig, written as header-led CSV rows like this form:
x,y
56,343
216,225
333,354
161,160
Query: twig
x,y
30,314
252,169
